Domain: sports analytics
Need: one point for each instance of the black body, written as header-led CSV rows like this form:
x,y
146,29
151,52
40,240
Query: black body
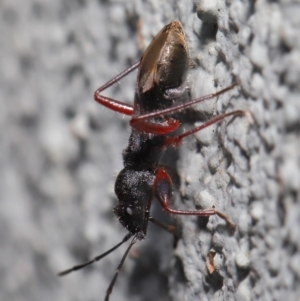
x,y
157,81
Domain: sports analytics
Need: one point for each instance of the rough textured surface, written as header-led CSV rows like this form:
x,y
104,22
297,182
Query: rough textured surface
x,y
60,152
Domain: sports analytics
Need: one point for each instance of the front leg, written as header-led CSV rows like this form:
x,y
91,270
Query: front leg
x,y
142,124
163,192
111,103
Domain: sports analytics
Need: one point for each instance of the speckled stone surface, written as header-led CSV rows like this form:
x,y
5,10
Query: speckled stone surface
x,y
60,152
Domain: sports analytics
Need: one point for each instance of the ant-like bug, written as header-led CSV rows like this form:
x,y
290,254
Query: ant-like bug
x,y
160,83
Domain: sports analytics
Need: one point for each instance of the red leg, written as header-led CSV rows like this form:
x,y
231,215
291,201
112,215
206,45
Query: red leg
x,y
168,126
176,140
169,228
140,122
111,103
163,191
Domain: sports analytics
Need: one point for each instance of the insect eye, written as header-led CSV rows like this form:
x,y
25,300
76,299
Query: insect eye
x,y
128,210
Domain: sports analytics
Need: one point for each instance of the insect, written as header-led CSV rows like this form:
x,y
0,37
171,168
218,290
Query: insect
x,y
162,72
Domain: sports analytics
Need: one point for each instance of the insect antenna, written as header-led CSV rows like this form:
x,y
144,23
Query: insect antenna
x,y
97,258
110,288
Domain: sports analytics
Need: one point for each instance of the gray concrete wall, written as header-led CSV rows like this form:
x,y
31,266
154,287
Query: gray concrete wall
x,y
60,152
